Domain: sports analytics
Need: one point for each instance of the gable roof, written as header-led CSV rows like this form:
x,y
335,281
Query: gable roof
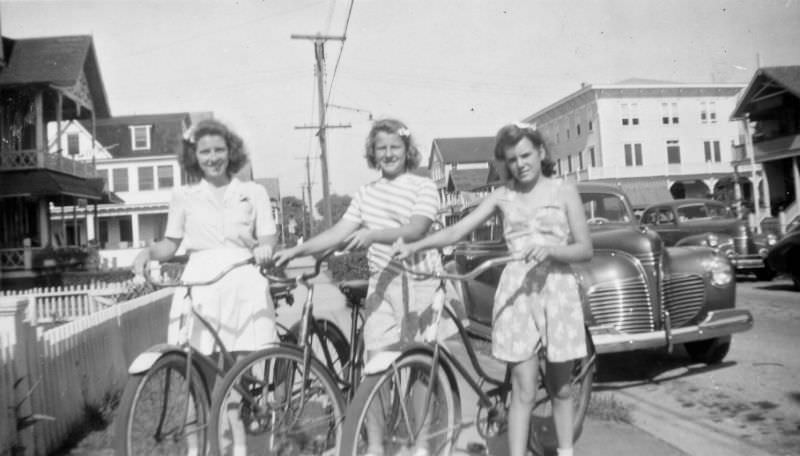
x,y
642,81
273,186
166,133
58,62
768,80
466,180
464,150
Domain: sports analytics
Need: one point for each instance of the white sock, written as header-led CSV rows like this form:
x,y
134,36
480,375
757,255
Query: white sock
x,y
564,451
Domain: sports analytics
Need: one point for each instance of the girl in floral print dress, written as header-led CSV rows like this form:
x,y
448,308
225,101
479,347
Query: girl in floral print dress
x,y
537,300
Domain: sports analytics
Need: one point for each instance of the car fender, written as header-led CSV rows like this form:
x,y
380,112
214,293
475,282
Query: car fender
x,y
702,240
146,359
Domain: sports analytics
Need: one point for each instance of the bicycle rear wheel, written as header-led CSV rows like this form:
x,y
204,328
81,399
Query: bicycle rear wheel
x,y
155,417
329,346
391,405
542,437
270,403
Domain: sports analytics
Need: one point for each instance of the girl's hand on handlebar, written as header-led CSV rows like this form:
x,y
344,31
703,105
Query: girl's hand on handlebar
x,y
401,250
538,253
262,254
281,257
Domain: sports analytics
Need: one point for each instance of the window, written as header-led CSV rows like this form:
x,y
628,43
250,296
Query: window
x,y
120,176
669,113
578,129
126,230
569,163
708,112
146,178
103,174
165,179
630,114
633,154
558,166
580,161
673,152
592,158
712,151
567,133
73,144
590,125
140,137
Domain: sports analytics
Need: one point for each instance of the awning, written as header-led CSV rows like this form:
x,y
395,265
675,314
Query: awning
x,y
43,183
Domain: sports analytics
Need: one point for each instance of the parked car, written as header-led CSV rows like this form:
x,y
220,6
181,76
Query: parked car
x,y
637,292
784,255
710,223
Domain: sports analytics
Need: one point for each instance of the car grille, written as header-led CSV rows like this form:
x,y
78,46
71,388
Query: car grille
x,y
684,295
648,260
623,304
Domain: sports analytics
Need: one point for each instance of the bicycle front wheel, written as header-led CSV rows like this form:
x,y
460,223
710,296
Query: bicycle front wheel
x,y
542,437
161,413
271,403
401,410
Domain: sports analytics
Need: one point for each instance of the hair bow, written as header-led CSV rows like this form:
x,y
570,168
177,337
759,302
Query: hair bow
x,y
404,132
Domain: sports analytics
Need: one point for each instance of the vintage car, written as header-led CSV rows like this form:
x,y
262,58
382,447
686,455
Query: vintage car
x,y
784,256
637,292
710,223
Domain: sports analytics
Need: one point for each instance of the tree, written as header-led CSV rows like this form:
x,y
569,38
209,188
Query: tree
x,y
339,205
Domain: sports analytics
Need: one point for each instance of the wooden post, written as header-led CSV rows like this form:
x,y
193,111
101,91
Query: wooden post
x,y
20,335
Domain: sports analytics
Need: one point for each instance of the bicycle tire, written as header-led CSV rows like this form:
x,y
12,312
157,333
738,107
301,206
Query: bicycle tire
x,y
143,425
409,368
542,436
328,335
276,393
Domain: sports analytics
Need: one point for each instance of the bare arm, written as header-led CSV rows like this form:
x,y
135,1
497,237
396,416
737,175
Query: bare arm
x,y
456,232
160,251
412,231
328,239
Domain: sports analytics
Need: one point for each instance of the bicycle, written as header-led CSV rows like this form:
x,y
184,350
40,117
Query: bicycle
x,y
290,398
165,403
394,380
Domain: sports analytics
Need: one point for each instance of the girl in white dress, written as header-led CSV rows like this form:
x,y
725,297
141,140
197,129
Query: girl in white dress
x,y
220,220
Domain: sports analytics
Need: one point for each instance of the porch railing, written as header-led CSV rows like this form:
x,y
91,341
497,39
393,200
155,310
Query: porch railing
x,y
42,159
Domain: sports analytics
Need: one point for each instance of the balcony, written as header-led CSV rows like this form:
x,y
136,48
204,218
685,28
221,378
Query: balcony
x,y
41,159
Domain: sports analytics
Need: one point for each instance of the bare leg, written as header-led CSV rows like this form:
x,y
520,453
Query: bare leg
x,y
375,419
559,375
523,395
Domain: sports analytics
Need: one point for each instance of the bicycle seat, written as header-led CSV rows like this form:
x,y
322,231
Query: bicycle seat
x,y
354,290
280,291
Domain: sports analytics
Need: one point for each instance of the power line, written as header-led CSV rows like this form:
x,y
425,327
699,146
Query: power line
x,y
341,50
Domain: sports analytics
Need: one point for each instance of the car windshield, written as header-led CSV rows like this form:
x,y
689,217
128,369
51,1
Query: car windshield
x,y
703,212
605,208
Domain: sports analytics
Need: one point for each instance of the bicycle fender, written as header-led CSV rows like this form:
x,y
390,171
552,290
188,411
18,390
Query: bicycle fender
x,y
145,360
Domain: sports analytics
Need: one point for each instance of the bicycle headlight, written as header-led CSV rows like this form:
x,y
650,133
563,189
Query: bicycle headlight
x,y
719,270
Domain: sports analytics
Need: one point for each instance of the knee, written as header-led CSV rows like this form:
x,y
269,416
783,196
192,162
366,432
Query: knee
x,y
523,394
563,393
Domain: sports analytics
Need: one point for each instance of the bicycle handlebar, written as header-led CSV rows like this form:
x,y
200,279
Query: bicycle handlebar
x,y
301,277
468,275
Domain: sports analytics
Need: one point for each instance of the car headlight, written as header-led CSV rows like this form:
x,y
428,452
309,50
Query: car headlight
x,y
712,240
771,239
720,271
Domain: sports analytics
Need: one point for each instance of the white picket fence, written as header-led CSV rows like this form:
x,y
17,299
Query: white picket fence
x,y
65,303
53,377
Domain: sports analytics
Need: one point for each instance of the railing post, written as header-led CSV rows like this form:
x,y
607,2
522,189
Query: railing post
x,y
23,339
27,254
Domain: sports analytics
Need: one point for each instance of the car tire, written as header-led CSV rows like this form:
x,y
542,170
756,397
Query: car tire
x,y
766,274
709,351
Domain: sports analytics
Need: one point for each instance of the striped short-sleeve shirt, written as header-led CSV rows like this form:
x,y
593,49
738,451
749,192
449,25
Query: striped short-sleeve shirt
x,y
388,203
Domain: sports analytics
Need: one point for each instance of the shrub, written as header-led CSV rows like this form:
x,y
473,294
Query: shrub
x,y
349,266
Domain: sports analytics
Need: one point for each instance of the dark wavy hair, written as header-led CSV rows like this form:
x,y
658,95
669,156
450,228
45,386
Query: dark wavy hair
x,y
237,157
510,135
413,156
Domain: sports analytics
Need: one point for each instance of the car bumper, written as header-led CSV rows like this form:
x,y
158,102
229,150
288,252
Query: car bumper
x,y
716,324
747,262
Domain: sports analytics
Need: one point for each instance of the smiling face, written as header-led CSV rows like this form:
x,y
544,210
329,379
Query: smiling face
x,y
524,161
390,154
212,157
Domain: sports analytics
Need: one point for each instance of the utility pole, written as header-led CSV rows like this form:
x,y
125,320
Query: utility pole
x,y
319,55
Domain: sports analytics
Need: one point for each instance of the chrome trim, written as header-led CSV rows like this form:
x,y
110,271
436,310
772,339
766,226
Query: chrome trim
x,y
623,304
683,296
717,323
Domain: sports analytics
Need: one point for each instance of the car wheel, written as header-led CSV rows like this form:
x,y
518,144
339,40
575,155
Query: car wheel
x,y
765,274
709,351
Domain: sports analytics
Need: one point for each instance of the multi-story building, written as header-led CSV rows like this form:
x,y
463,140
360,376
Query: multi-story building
x,y
655,139
42,80
769,110
457,166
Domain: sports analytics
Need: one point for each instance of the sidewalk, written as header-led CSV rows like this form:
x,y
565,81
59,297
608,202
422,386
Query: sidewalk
x,y
600,438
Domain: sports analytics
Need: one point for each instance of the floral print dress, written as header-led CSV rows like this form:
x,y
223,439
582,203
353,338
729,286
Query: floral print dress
x,y
536,302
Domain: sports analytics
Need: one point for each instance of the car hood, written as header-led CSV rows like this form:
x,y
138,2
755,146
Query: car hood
x,y
636,240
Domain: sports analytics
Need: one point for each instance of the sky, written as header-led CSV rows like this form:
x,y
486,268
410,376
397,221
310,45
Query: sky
x,y
447,68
